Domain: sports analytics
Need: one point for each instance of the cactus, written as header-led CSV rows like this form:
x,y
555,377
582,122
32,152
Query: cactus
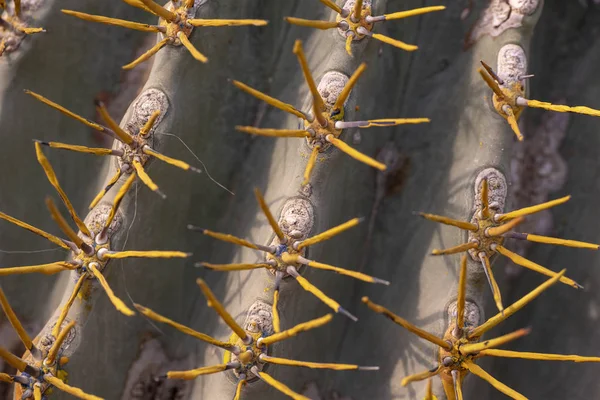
x,y
443,147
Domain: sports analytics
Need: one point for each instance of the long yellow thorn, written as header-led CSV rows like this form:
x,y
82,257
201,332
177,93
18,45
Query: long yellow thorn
x,y
562,108
487,268
456,382
53,352
238,389
334,305
146,254
384,122
342,271
462,293
265,209
46,269
303,327
472,348
150,123
456,249
194,373
512,121
513,308
182,328
160,11
190,47
113,21
54,239
562,242
348,46
269,100
273,132
306,364
151,51
394,42
405,324
357,155
531,210
65,309
169,160
484,197
538,356
12,360
125,137
6,378
420,376
339,102
491,83
118,303
318,104
280,386
312,23
105,190
212,302
146,179
140,5
328,234
357,11
62,223
63,110
73,391
449,221
429,391
332,5
523,262
230,239
477,370
51,175
81,149
234,267
310,165
502,229
412,13
275,312
118,197
227,22
37,392
14,321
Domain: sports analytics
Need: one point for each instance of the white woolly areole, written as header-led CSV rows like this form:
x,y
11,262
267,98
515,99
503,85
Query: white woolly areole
x,y
472,313
96,219
297,218
331,85
497,189
145,104
512,62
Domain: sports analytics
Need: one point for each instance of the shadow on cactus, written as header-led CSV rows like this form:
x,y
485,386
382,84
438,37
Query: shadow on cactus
x,y
509,99
14,23
133,151
487,231
324,126
176,25
248,348
286,258
356,22
459,348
